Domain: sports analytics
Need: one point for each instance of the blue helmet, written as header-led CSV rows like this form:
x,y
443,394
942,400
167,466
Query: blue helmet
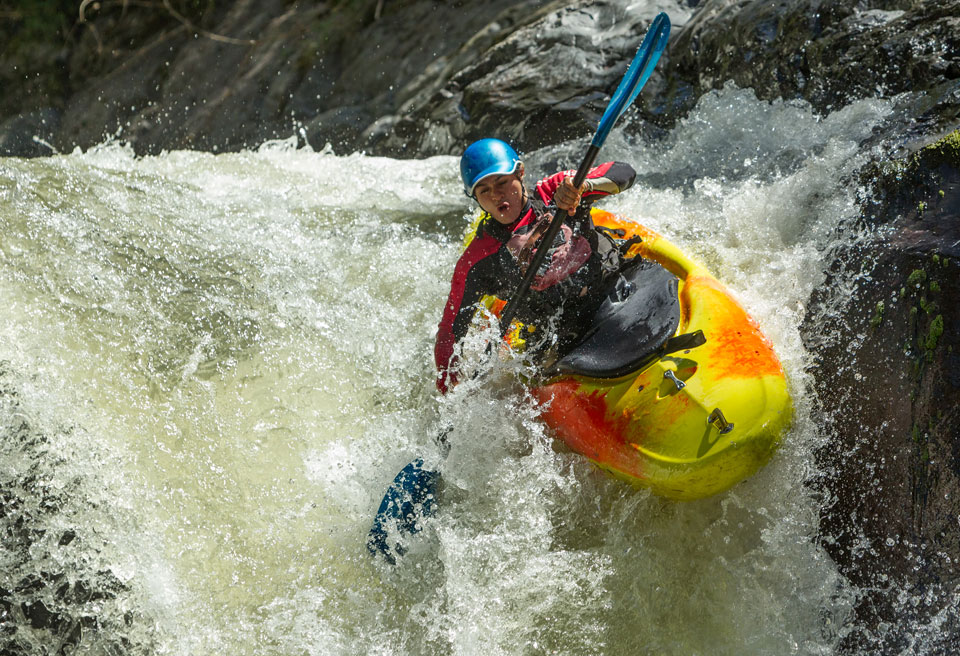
x,y
486,157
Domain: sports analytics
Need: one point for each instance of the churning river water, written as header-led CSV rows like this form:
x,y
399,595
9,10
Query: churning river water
x,y
211,367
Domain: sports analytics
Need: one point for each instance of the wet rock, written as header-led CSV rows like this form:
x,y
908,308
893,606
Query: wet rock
x,y
829,52
538,75
340,127
417,77
884,331
245,72
30,134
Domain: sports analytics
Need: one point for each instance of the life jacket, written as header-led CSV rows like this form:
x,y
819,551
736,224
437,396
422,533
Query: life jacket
x,y
570,249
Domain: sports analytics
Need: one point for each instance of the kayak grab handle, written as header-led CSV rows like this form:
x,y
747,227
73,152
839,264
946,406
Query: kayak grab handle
x,y
668,374
717,419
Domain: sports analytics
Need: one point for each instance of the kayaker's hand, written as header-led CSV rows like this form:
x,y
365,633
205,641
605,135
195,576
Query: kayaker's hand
x,y
567,197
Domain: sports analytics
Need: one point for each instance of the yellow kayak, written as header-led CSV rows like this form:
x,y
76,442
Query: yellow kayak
x,y
677,390
687,424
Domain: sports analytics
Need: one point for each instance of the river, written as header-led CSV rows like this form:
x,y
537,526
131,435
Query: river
x,y
212,365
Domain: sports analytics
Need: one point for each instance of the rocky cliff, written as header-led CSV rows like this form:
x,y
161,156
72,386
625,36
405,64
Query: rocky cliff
x,y
411,78
887,368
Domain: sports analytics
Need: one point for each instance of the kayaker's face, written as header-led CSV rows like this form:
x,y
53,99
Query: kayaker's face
x,y
502,196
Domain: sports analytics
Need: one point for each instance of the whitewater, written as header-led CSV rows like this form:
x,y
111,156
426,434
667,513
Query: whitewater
x,y
212,366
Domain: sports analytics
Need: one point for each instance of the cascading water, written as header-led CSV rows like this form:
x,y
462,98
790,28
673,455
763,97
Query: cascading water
x,y
211,366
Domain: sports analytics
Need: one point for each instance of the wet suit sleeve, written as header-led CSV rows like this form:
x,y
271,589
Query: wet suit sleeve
x,y
604,180
473,277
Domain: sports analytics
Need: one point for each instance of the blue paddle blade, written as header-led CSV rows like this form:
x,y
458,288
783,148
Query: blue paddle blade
x,y
648,54
411,497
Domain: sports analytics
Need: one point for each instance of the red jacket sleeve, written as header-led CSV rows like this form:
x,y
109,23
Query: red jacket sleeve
x,y
466,288
622,175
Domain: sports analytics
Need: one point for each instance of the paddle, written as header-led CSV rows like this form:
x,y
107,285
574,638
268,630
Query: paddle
x,y
648,54
412,494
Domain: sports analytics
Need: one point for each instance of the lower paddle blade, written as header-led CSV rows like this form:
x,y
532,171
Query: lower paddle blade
x,y
410,498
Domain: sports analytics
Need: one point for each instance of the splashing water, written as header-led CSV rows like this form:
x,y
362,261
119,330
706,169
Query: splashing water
x,y
214,365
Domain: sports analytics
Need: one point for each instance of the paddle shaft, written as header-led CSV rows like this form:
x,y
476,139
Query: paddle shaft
x,y
558,218
633,80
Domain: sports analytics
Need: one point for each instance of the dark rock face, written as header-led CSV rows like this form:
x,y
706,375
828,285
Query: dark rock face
x,y
888,382
825,51
421,78
412,78
29,135
245,72
546,82
828,52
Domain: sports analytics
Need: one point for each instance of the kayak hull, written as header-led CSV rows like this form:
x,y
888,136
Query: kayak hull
x,y
690,424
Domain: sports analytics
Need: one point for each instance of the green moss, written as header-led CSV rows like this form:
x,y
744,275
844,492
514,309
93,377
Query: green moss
x,y
948,148
950,143
877,315
934,286
927,306
917,277
944,151
32,33
933,337
936,259
918,177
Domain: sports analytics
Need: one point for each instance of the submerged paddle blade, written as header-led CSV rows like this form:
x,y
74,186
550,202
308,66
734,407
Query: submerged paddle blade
x,y
648,54
410,497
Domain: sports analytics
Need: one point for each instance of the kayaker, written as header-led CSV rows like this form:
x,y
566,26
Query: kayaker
x,y
513,221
